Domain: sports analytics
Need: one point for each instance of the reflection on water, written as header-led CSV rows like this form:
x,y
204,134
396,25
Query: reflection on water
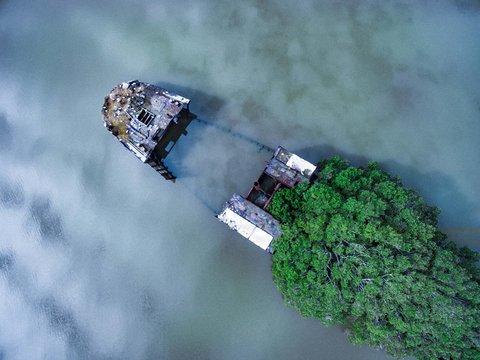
x,y
102,258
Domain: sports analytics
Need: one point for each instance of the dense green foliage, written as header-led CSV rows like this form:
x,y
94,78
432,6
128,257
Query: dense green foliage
x,y
360,249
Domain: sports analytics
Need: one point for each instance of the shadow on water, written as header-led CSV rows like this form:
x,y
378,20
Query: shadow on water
x,y
206,105
206,108
5,132
207,124
236,135
458,212
466,5
6,261
457,218
63,321
48,220
11,194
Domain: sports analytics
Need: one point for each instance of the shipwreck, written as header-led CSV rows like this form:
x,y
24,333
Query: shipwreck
x,y
249,216
148,120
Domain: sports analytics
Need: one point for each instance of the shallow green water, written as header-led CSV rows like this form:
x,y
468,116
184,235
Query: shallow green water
x,y
101,258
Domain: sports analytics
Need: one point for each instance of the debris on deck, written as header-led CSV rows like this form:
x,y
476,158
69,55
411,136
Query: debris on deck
x,y
250,221
285,169
147,120
249,216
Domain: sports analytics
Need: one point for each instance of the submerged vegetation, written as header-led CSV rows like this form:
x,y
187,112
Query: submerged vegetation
x,y
361,250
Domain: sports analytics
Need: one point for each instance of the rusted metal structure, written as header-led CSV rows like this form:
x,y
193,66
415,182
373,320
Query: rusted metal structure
x,y
148,120
248,216
285,169
250,221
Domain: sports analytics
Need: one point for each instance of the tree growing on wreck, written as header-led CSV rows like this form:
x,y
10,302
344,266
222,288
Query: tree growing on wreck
x,y
360,249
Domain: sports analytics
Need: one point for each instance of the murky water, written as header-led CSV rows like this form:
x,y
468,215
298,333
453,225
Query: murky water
x,y
102,258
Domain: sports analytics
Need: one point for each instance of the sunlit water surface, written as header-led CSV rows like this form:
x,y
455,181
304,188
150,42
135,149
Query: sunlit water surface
x,y
101,258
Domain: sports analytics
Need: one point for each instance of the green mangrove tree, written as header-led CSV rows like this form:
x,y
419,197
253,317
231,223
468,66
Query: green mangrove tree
x,y
360,249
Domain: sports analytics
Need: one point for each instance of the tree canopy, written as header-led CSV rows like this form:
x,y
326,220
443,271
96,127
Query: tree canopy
x,y
360,249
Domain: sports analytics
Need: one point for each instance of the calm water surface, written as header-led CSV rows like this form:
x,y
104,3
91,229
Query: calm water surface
x,y
100,258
